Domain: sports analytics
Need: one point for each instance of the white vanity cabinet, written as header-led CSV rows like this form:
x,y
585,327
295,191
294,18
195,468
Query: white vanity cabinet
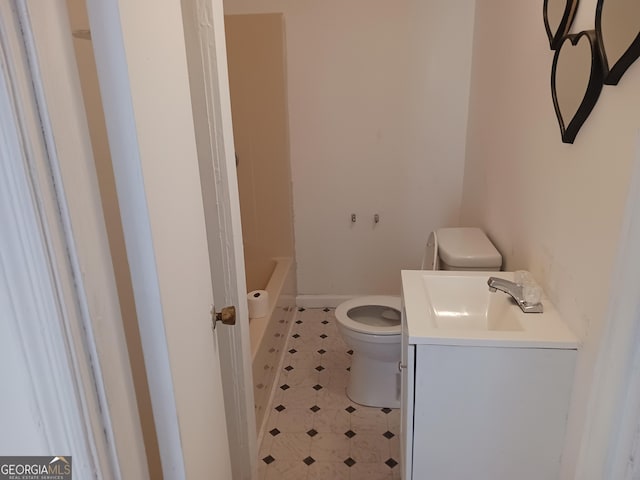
x,y
482,404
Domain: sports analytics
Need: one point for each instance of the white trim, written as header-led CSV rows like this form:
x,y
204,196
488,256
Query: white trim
x,y
632,462
625,450
613,418
41,313
322,301
74,227
624,341
38,318
58,93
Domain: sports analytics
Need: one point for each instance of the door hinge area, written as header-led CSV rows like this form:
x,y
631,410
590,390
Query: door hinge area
x,y
227,316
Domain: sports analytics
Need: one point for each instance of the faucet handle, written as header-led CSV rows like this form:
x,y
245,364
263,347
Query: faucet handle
x,y
531,293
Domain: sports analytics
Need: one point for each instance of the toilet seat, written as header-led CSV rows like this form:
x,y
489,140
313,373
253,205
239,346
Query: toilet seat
x,y
387,301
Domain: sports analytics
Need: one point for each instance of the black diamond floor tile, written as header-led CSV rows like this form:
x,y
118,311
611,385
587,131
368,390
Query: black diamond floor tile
x,y
386,410
326,309
301,309
306,348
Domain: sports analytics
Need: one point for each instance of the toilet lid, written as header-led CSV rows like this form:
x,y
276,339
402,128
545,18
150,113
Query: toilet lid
x,y
379,315
467,247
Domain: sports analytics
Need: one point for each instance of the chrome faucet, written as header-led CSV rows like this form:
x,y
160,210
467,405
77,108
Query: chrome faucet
x,y
515,290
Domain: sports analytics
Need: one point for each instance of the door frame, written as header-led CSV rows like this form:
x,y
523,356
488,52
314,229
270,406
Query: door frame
x,y
611,442
84,327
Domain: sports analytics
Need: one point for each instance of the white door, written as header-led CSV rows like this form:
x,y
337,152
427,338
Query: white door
x,y
211,103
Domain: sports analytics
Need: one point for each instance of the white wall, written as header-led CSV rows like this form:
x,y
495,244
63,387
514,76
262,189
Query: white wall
x,y
551,208
378,95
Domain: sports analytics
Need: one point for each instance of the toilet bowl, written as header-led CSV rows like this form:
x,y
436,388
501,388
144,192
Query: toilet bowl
x,y
371,327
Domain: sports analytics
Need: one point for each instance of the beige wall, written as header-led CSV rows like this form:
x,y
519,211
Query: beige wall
x,y
257,80
551,208
99,142
378,94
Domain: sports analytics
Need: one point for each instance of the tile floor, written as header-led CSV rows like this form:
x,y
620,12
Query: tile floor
x,y
314,430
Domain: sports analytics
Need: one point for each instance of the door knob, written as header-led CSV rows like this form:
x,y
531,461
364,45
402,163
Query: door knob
x,y
227,316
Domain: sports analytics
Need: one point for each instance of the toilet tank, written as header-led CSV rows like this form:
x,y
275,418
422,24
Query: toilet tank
x,y
467,248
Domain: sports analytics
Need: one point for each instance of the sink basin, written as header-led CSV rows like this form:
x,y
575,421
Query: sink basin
x,y
464,302
457,308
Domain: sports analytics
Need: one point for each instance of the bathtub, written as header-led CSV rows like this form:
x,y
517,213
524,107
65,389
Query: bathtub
x,y
269,334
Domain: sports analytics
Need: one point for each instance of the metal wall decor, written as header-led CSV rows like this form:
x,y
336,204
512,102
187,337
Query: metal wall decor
x,y
576,81
586,61
618,30
558,17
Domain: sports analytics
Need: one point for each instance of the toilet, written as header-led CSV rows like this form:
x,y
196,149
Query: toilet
x,y
372,327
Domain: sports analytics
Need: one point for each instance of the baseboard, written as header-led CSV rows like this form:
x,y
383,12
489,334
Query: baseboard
x,y
321,301
286,300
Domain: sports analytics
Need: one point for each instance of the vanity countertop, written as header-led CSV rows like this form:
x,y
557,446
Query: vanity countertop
x,y
456,308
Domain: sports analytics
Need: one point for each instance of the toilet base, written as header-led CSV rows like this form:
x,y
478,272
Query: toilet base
x,y
374,383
